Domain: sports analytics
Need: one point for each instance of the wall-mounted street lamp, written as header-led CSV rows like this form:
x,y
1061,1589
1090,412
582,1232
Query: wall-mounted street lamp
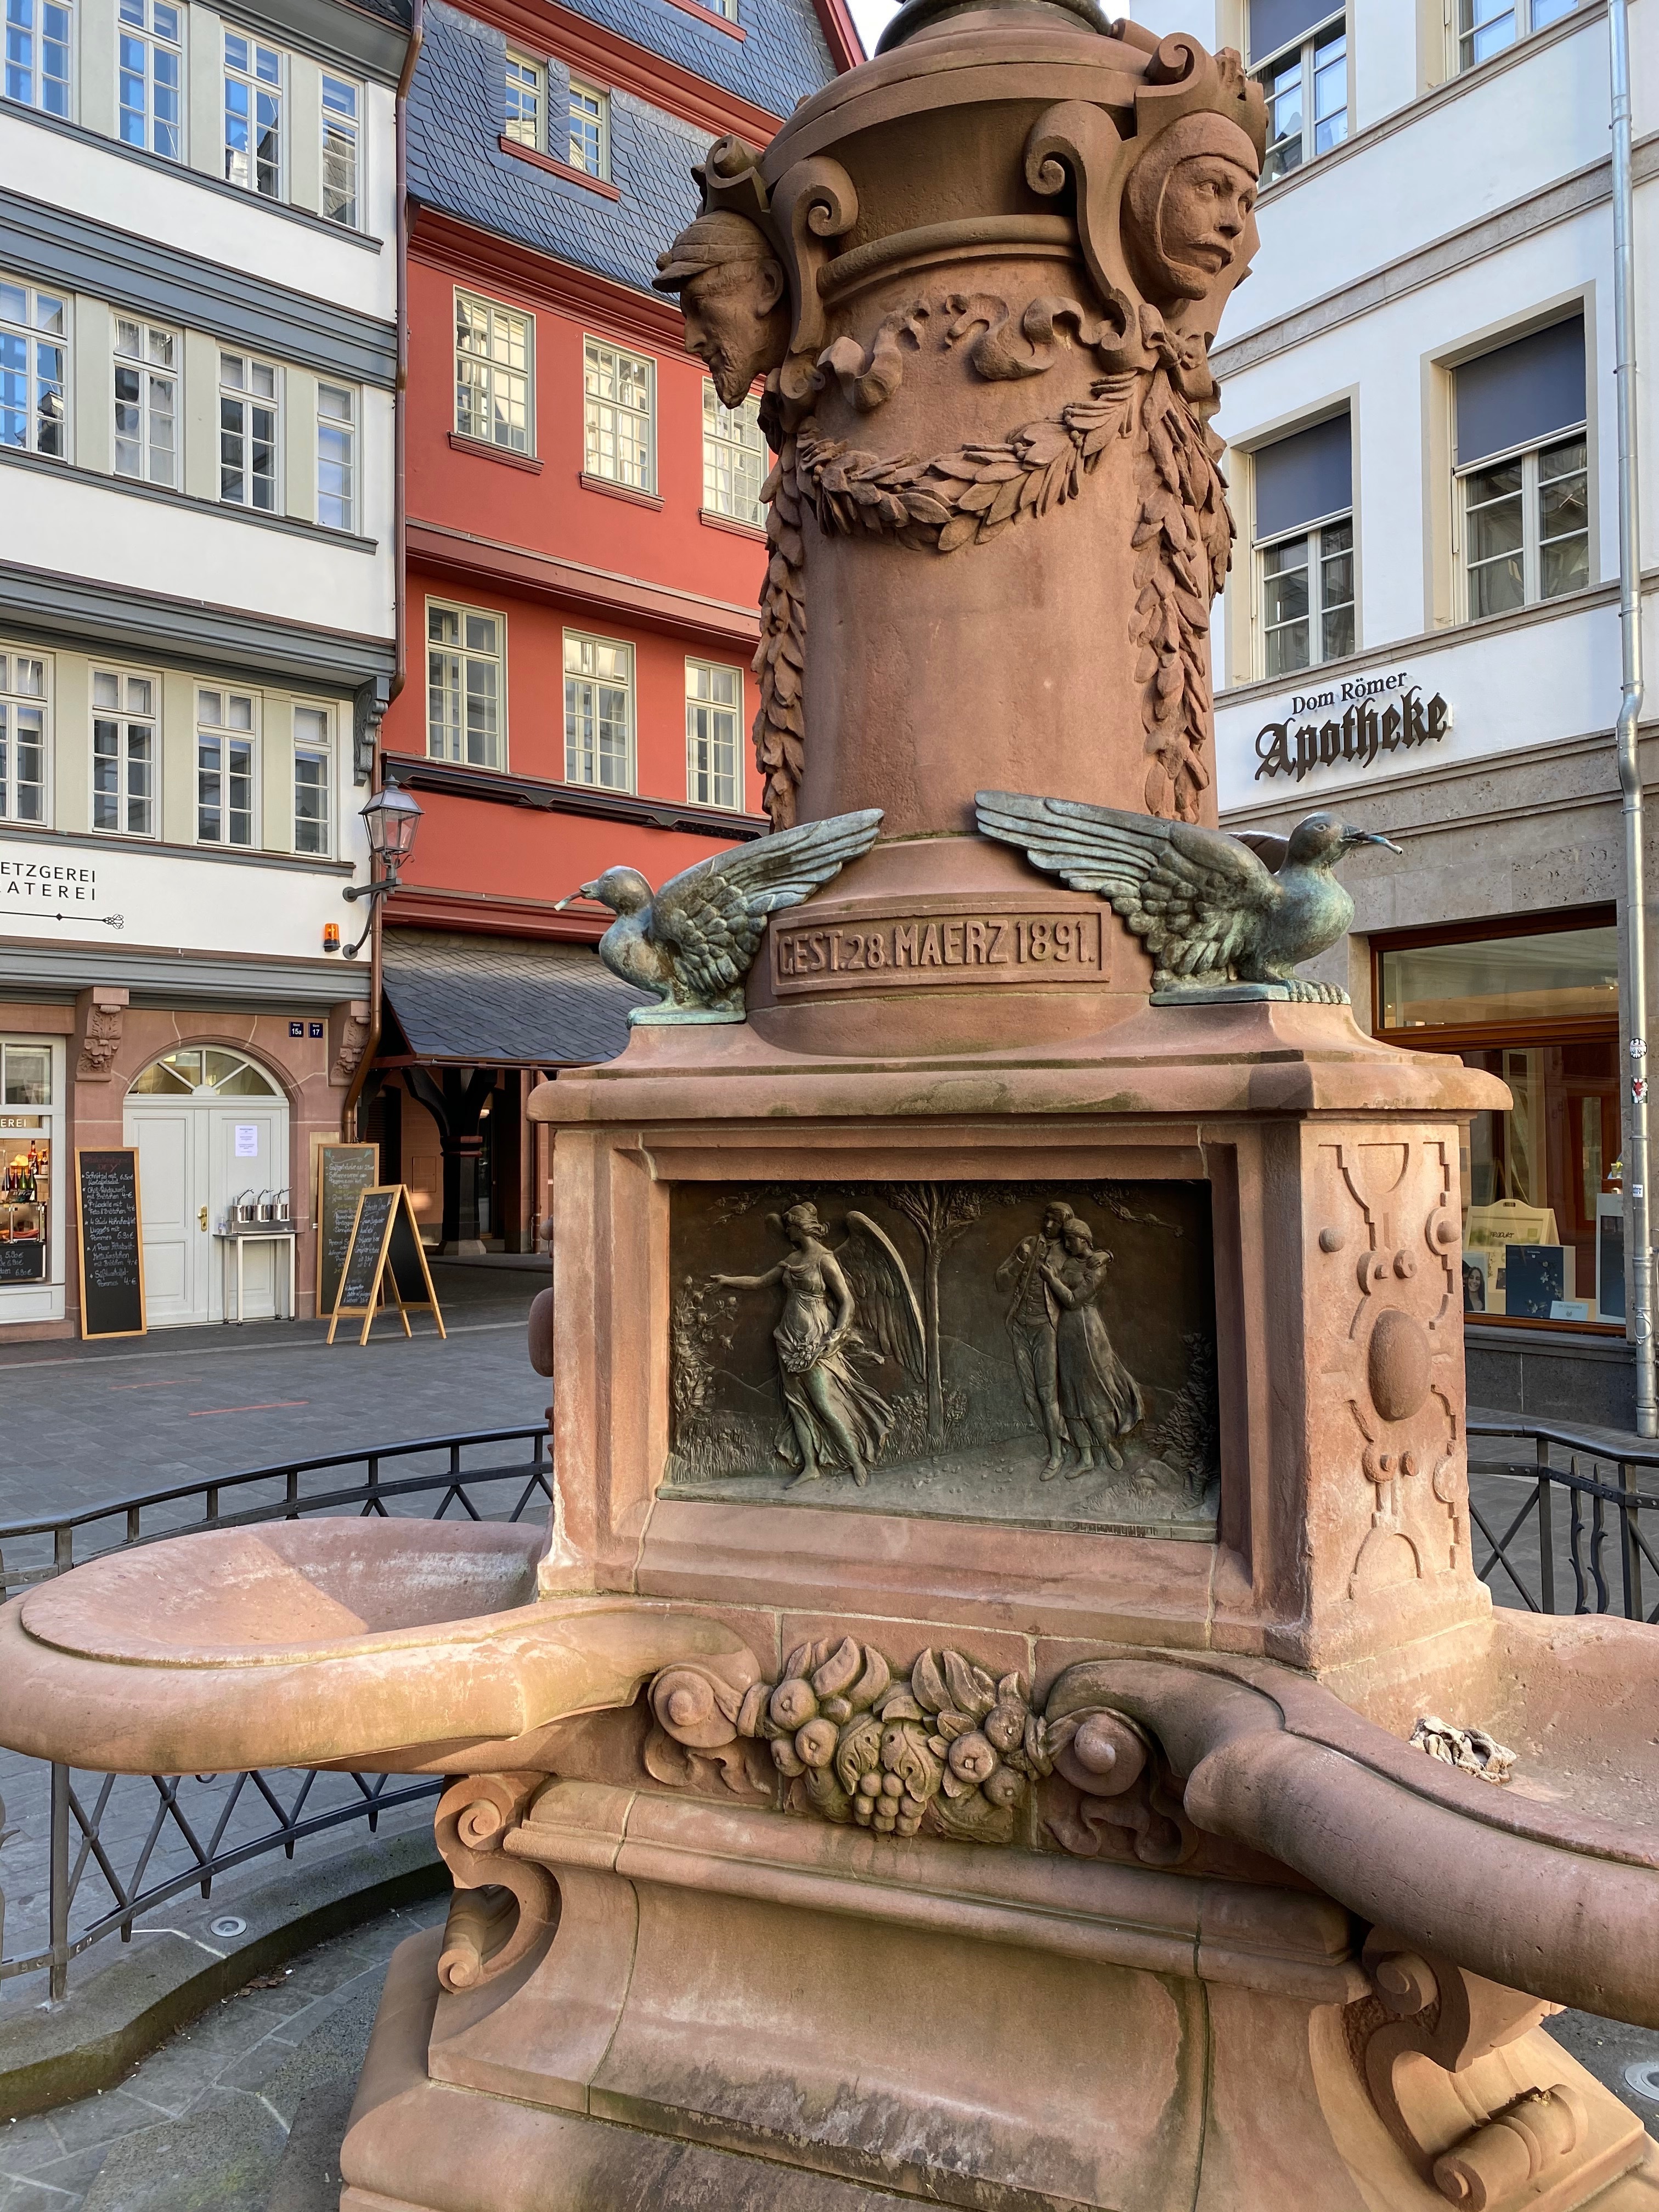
x,y
391,818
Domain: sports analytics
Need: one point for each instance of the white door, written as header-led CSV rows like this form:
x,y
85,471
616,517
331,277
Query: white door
x,y
176,1244
209,1125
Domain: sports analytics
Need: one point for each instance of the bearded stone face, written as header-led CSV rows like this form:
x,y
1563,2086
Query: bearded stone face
x,y
1206,209
737,321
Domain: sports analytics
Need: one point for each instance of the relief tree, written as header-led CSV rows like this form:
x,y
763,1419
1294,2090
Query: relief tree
x,y
939,1212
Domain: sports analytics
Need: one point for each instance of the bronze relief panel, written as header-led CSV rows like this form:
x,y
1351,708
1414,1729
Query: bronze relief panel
x,y
1021,1353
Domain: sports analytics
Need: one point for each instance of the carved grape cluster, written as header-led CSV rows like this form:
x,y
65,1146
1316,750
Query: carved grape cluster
x,y
950,1749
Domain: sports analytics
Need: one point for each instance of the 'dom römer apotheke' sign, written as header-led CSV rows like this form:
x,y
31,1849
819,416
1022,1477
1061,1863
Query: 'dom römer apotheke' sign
x,y
1351,725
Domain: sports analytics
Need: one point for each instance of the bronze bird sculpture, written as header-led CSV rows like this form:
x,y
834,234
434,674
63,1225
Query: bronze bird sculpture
x,y
691,944
1215,912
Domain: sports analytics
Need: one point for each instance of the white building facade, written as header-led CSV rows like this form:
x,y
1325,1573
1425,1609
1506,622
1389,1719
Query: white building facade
x,y
1420,631
198,574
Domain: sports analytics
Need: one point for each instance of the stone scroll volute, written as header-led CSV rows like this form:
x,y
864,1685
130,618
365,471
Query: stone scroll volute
x,y
994,391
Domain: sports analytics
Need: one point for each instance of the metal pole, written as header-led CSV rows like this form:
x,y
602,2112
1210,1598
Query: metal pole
x,y
1630,708
58,1899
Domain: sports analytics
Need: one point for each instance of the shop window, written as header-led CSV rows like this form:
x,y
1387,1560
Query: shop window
x,y
33,357
1299,56
1485,27
24,709
734,461
527,102
494,393
25,1163
247,433
224,767
254,116
598,713
619,404
1304,545
342,150
1521,470
1542,1183
337,457
150,47
311,779
38,43
714,701
124,751
465,684
146,401
589,131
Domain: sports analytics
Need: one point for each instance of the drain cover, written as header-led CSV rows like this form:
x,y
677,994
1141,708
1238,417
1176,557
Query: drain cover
x,y
1643,2077
228,1926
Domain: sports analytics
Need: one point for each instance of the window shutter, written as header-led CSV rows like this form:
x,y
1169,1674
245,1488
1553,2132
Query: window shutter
x,y
1521,393
1275,23
1301,479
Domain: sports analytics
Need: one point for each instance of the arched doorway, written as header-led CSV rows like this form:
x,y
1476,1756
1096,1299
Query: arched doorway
x,y
208,1123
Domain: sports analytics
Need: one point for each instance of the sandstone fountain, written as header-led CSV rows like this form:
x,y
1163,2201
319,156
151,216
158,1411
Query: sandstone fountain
x,y
955,1742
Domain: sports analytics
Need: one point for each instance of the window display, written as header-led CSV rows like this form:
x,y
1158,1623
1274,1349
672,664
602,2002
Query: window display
x,y
25,1164
1537,1005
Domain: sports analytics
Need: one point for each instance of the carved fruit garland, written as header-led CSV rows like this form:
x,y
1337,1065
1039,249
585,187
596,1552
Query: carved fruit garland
x,y
1183,542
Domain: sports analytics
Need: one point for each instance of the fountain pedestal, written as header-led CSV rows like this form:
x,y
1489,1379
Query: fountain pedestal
x,y
954,1743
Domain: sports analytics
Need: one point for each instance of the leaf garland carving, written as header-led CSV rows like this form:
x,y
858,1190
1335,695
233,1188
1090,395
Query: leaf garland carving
x,y
1182,544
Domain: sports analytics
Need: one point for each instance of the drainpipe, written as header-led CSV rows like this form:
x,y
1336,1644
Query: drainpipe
x,y
399,543
1630,708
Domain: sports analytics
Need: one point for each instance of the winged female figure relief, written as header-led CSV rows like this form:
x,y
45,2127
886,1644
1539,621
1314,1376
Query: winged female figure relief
x,y
846,1309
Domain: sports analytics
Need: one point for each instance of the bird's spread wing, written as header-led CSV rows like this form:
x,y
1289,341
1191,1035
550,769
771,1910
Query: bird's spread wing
x,y
884,1299
1195,896
1268,849
711,916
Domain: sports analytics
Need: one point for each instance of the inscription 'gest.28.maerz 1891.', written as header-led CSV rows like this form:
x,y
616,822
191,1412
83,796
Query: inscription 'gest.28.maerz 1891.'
x,y
968,948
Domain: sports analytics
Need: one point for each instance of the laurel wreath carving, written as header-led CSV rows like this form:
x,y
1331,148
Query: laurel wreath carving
x,y
1182,544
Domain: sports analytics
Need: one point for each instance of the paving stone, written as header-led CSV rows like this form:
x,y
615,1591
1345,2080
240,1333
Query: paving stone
x,y
222,2157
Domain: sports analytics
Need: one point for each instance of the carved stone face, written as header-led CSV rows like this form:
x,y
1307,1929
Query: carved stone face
x,y
1206,208
737,321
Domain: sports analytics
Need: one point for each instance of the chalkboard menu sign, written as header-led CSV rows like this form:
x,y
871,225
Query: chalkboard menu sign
x,y
23,1259
365,1256
345,1172
384,1252
112,1265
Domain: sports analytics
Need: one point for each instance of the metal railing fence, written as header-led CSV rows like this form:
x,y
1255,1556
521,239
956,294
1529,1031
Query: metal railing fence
x,y
1540,1525
121,1845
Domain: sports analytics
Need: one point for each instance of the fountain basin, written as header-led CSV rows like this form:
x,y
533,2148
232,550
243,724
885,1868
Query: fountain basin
x,y
1549,1883
386,1646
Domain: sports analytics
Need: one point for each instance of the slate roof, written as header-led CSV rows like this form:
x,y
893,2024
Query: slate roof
x,y
391,11
504,1001
457,110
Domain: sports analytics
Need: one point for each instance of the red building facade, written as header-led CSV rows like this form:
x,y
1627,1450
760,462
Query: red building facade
x,y
584,551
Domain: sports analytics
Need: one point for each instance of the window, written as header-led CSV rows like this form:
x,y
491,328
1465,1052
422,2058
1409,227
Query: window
x,y
726,8
492,374
1542,1183
28,1079
734,462
1485,27
203,1071
151,77
590,131
526,100
598,713
247,433
146,403
1303,542
1522,466
224,767
464,685
713,700
33,328
618,410
337,457
37,54
1299,54
254,116
340,138
22,737
311,779
124,751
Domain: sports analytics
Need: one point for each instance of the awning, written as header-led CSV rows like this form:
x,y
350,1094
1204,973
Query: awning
x,y
503,1001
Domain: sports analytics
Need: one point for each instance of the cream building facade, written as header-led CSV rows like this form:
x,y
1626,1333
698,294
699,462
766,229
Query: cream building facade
x,y
1421,628
198,294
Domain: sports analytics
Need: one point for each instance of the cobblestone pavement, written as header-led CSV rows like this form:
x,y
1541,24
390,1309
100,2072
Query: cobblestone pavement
x,y
243,2110
84,1423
